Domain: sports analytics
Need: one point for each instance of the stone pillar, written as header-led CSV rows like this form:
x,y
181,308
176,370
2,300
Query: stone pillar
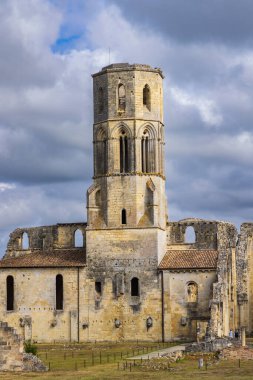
x,y
243,336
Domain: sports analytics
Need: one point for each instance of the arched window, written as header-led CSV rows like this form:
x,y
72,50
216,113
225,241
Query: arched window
x,y
100,100
147,153
78,238
123,216
59,292
135,289
192,292
147,97
121,98
124,157
189,236
25,241
9,293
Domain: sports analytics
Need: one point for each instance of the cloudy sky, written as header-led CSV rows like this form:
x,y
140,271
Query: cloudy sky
x,y
48,50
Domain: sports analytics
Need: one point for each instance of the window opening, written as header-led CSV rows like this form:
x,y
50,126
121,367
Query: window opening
x,y
25,241
146,152
121,98
98,288
146,97
190,236
123,141
123,217
135,291
10,293
192,292
59,292
78,238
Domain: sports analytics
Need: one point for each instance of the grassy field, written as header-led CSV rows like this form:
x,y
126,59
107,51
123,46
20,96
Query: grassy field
x,y
67,363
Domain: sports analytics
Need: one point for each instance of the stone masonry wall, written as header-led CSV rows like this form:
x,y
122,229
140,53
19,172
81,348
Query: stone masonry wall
x,y
35,316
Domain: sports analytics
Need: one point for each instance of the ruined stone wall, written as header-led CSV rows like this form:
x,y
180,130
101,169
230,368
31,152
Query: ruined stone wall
x,y
47,238
205,233
244,264
182,316
224,302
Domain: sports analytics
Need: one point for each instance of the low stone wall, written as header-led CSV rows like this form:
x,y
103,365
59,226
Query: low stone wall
x,y
12,357
211,346
244,353
32,363
173,356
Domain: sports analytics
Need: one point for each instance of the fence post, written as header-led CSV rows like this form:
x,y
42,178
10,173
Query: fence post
x,y
100,357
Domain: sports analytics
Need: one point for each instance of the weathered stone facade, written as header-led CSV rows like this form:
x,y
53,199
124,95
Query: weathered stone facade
x,y
133,274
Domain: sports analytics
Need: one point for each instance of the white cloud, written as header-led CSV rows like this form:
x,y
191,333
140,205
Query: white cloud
x,y
6,186
207,108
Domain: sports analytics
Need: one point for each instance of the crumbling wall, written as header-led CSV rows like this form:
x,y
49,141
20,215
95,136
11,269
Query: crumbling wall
x,y
244,263
44,238
205,233
224,303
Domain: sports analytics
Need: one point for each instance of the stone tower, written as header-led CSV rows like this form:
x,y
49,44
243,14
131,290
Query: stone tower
x,y
126,204
129,184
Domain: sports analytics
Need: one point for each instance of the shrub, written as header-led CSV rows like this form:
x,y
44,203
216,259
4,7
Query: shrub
x,y
30,348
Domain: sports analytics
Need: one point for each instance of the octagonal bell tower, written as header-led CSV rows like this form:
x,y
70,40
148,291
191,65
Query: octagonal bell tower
x,y
128,188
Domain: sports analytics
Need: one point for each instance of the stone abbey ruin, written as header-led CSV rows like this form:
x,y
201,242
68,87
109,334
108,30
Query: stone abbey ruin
x,y
132,274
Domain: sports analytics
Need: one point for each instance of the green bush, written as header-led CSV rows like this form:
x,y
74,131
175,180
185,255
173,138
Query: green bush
x,y
30,348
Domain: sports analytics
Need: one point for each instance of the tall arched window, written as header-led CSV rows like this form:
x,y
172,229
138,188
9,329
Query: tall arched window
x,y
124,156
144,153
59,292
121,98
100,100
78,238
123,216
147,153
25,241
192,292
147,97
9,293
135,289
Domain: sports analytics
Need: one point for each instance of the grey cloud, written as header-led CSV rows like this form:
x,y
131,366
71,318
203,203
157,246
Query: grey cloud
x,y
222,21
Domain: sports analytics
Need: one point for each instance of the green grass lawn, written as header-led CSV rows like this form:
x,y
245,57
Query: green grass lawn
x,y
82,362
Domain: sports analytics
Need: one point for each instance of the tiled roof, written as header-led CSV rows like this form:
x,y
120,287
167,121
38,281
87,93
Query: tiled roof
x,y
40,259
189,259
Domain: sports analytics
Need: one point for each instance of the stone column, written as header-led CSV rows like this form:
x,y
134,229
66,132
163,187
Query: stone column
x,y
243,336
